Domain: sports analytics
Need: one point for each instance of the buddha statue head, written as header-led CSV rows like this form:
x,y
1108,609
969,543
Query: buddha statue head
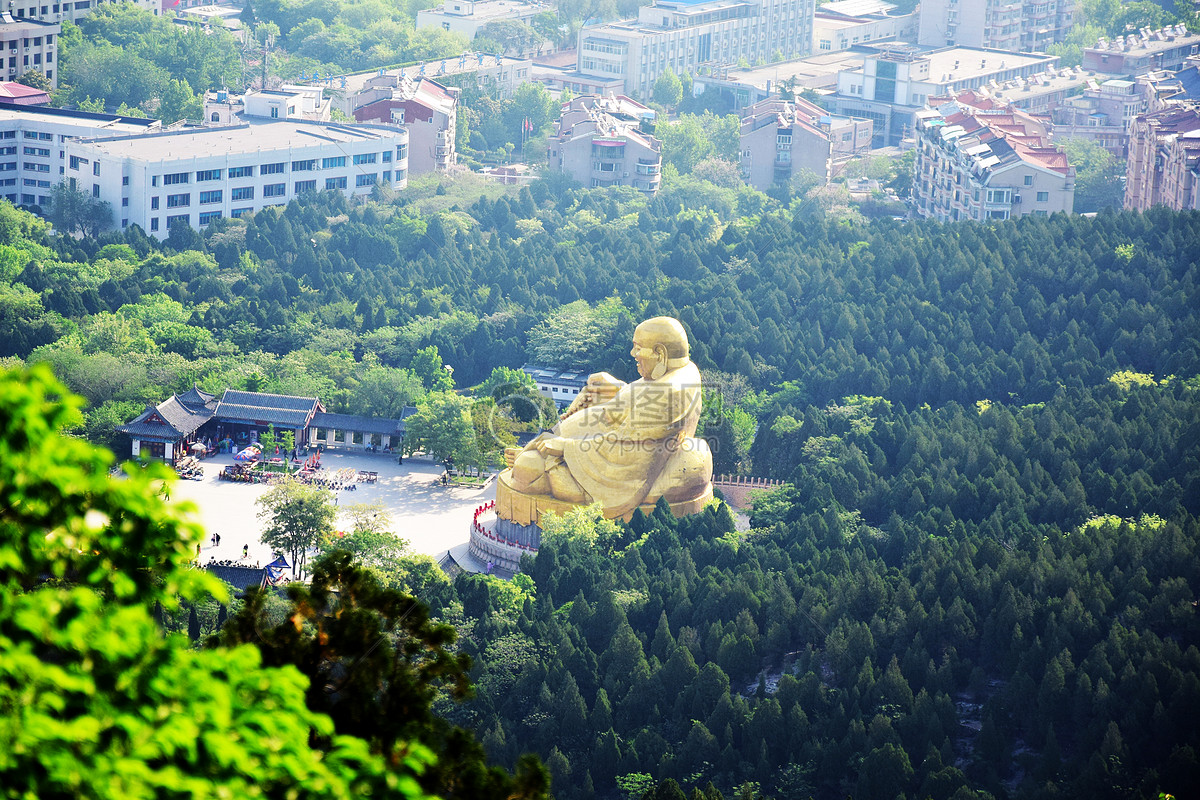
x,y
660,344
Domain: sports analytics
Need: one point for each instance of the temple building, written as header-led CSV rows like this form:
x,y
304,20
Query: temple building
x,y
169,429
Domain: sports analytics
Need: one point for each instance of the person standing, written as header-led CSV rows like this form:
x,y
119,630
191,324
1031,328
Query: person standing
x,y
245,551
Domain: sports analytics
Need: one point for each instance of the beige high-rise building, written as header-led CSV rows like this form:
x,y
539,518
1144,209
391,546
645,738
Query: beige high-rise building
x,y
782,138
1164,160
975,164
1015,25
600,141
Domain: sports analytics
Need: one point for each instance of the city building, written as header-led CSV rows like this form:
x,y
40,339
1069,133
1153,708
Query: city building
x,y
985,164
1044,92
559,385
780,138
425,108
694,36
197,175
1102,114
896,82
600,141
1167,88
467,16
29,45
33,146
751,85
18,94
1164,160
1013,25
841,24
1142,52
286,102
72,12
497,75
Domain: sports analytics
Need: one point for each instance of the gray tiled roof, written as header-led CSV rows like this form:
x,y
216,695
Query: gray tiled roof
x,y
196,397
237,576
270,408
177,420
349,422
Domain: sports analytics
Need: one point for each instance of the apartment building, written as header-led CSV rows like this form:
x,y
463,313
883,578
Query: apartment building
x,y
1103,114
988,164
467,17
73,11
1013,25
33,146
694,36
894,83
781,138
1164,159
600,141
197,175
29,45
1142,52
425,108
842,24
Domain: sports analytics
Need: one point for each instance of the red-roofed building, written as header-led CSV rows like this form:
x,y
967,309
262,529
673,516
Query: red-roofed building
x,y
780,138
989,162
18,94
425,108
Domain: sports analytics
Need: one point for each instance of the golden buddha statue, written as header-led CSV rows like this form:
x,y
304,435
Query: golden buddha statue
x,y
623,445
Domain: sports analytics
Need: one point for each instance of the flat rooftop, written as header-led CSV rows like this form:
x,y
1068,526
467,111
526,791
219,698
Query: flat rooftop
x,y
467,63
492,9
813,72
252,137
101,122
954,64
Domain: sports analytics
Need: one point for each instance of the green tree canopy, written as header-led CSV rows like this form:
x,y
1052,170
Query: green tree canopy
x,y
298,516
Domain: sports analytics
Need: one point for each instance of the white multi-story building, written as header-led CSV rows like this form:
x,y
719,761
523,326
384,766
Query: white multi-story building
x,y
28,45
286,102
988,164
891,87
692,36
468,16
73,11
1142,52
197,175
599,141
842,24
1014,25
33,146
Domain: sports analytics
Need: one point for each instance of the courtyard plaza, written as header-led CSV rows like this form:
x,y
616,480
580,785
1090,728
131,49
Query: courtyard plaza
x,y
431,517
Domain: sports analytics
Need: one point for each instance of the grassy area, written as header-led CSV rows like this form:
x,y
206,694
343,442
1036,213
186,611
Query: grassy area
x,y
459,190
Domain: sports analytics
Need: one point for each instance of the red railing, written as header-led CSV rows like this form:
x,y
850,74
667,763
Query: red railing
x,y
482,531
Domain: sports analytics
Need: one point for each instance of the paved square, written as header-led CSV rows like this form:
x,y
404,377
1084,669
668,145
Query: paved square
x,y
431,517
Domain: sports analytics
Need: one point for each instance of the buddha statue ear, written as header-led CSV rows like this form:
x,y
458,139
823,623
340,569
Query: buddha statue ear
x,y
660,369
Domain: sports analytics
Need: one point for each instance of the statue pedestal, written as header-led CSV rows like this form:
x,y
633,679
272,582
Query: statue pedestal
x,y
526,509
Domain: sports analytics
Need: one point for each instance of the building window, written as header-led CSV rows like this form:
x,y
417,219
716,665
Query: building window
x,y
206,198
178,200
95,168
209,216
365,179
124,202
1043,197
181,218
244,172
386,156
1029,180
333,162
240,212
95,190
208,175
273,190
272,169
274,112
302,166
387,176
176,177
125,181
242,193
401,152
335,183
153,203
305,186
364,158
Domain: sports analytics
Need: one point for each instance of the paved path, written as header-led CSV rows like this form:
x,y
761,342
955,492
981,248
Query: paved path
x,y
431,517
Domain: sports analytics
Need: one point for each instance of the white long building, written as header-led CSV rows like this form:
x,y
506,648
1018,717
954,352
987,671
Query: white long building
x,y
687,36
197,175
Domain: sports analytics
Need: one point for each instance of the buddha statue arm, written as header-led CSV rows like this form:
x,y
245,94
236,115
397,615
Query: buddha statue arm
x,y
601,387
